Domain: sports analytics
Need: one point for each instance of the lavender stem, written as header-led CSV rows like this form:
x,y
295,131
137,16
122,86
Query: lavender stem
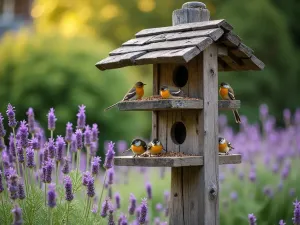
x,y
68,149
68,203
45,194
78,160
73,160
57,170
100,199
87,157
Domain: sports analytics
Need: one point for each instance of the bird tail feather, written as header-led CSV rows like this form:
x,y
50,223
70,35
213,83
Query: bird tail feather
x,y
236,116
108,108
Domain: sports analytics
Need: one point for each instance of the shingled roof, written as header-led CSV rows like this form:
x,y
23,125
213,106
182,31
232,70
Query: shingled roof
x,y
180,44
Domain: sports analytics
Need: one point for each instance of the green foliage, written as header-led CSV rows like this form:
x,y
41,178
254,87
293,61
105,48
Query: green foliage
x,y
49,71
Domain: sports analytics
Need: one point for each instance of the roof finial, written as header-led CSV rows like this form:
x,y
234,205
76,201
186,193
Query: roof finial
x,y
191,12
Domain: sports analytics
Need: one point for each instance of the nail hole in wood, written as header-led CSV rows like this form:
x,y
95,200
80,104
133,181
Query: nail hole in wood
x,y
180,76
175,195
178,133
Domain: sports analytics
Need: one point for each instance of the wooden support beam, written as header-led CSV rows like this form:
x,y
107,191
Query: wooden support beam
x,y
173,104
173,161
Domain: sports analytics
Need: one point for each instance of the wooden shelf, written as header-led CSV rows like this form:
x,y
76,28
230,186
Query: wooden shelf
x,y
173,161
172,104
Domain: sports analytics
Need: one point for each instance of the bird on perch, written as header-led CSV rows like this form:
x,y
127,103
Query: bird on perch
x,y
155,147
167,92
224,146
138,147
135,93
227,93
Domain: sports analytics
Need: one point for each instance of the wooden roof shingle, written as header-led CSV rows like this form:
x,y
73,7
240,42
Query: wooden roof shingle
x,y
180,44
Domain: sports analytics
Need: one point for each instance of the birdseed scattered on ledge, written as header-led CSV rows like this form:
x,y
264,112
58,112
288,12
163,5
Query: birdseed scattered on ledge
x,y
158,97
167,154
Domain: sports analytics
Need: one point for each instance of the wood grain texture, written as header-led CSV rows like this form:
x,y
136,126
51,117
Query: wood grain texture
x,y
201,43
209,126
169,56
173,104
119,60
154,133
186,27
173,161
230,39
214,34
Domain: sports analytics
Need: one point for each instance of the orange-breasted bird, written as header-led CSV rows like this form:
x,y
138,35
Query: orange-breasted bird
x,y
155,147
227,93
170,92
135,93
138,147
224,146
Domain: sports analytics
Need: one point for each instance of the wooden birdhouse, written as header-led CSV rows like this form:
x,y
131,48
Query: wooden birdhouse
x,y
188,55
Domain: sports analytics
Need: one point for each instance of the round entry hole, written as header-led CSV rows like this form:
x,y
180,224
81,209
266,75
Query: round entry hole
x,y
178,133
180,76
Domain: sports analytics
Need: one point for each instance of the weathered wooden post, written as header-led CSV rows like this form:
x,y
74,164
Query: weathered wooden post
x,y
188,55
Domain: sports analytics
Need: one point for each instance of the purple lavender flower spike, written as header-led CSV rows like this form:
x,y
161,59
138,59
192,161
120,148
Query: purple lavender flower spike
x,y
10,112
104,209
94,148
34,143
118,200
81,117
122,220
252,219
13,186
2,130
90,187
94,209
138,213
156,221
79,142
268,191
47,171
132,204
110,175
252,176
144,211
66,167
85,177
1,183
159,207
111,217
51,120
20,151
109,156
60,148
166,197
51,195
281,222
30,157
31,121
287,116
46,153
292,192
21,190
69,132
87,136
23,134
149,190
73,147
68,189
95,132
51,148
263,110
296,218
96,165
17,215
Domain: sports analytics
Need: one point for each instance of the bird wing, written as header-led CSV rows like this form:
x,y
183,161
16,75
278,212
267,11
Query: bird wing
x,y
144,145
231,94
130,94
175,91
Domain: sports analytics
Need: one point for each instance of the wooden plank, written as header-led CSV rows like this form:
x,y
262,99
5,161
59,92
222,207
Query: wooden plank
x,y
230,39
242,51
222,50
186,27
118,61
209,126
253,63
214,34
173,161
145,40
201,43
169,56
229,105
155,92
173,104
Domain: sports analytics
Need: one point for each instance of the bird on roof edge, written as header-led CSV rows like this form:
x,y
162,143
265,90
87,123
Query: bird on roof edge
x,y
135,93
224,146
226,92
167,92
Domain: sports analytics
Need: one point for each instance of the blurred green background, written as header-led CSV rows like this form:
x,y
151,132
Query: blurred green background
x,y
49,47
